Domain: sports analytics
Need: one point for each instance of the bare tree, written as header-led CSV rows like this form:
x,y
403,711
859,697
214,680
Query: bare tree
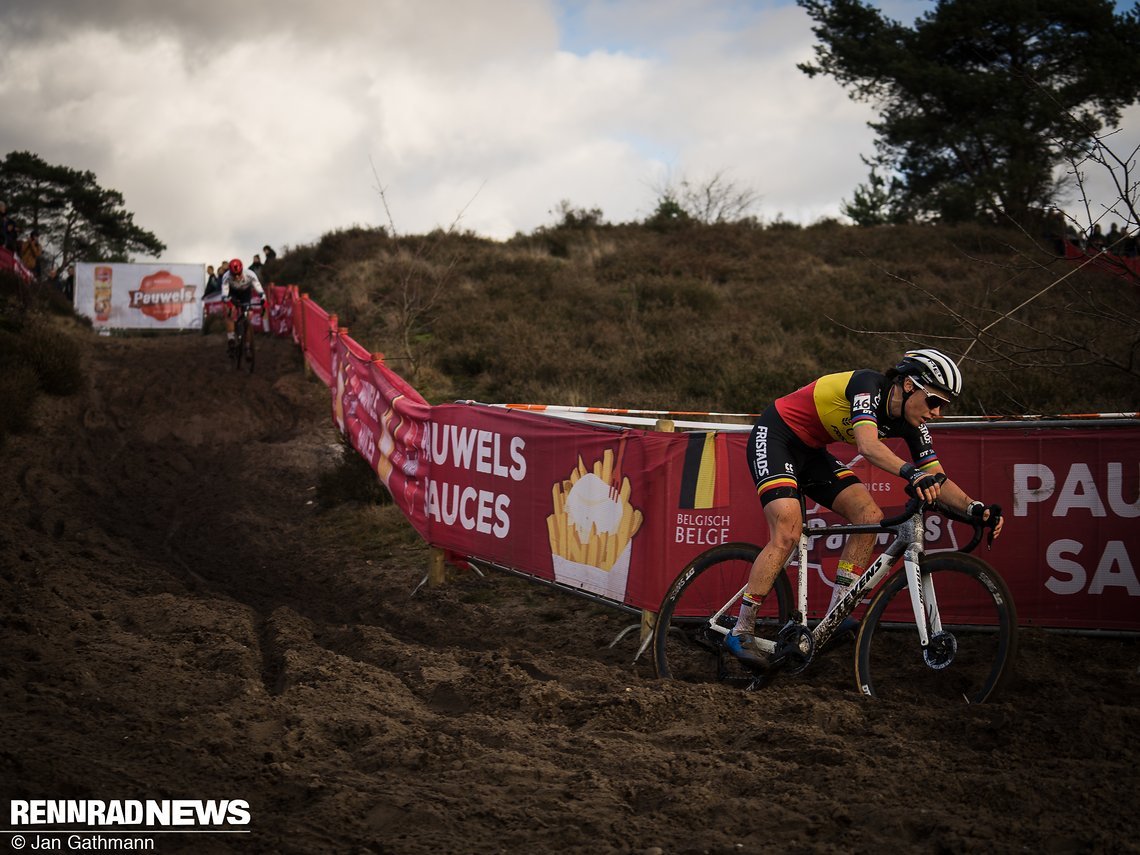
x,y
422,279
1064,322
718,199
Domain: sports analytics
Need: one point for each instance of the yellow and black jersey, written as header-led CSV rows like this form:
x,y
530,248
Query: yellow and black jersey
x,y
827,410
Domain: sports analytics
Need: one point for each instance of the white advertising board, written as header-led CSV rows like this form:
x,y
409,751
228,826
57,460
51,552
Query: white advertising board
x,y
140,296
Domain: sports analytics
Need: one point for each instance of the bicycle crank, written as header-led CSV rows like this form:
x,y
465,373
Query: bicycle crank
x,y
794,647
940,652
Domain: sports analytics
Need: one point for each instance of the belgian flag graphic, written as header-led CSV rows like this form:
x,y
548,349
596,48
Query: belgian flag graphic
x,y
704,477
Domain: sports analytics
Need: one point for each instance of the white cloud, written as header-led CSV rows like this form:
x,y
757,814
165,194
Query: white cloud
x,y
228,126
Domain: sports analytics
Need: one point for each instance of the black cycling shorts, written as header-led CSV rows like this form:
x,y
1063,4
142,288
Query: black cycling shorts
x,y
782,464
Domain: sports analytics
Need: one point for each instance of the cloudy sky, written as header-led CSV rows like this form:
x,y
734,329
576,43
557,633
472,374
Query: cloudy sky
x,y
228,125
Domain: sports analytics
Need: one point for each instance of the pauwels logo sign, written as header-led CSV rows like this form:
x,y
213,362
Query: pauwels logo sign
x,y
162,295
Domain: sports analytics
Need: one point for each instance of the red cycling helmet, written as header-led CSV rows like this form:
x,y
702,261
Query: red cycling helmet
x,y
235,267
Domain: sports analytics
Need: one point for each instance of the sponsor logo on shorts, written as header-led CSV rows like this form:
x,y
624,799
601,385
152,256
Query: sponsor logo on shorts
x,y
760,452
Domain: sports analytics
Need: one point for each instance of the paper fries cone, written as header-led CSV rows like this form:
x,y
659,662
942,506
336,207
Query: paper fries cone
x,y
599,562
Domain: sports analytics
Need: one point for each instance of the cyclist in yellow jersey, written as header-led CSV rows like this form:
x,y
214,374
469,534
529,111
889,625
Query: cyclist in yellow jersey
x,y
787,455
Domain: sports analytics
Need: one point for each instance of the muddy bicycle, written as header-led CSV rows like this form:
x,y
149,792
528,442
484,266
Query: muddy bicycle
x,y
941,627
243,349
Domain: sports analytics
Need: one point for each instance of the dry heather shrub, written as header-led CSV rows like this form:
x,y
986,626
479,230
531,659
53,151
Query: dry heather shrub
x,y
19,386
53,355
728,317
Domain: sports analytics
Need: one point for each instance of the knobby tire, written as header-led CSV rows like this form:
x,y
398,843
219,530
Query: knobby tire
x,y
249,348
978,614
685,647
243,350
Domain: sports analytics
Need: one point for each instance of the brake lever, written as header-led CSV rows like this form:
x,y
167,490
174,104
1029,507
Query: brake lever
x,y
995,514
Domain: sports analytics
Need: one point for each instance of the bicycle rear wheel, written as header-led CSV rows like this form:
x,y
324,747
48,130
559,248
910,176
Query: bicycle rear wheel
x,y
973,657
685,644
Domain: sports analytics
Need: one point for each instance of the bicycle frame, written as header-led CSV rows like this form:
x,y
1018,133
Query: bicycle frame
x,y
908,543
955,662
242,310
243,332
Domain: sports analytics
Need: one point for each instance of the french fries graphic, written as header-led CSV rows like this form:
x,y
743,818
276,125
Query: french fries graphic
x,y
593,521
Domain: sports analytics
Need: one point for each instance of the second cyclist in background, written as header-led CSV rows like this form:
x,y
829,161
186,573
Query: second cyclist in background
x,y
239,286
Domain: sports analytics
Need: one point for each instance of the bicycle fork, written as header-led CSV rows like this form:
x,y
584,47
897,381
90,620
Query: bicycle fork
x,y
923,601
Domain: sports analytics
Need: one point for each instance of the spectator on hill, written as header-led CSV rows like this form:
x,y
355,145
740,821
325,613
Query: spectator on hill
x,y
57,279
1112,240
270,255
255,266
31,253
1074,237
213,283
4,220
220,272
67,282
1096,239
1127,244
1055,230
11,236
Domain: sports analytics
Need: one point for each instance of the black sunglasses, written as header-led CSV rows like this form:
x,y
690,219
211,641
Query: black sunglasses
x,y
933,402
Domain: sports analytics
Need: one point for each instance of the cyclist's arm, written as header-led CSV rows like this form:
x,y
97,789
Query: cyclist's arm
x,y
955,498
949,493
876,451
226,286
257,285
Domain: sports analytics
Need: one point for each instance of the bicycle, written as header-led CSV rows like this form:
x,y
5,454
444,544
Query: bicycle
x,y
243,348
958,609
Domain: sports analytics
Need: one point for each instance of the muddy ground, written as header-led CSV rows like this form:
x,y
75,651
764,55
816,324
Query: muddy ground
x,y
184,614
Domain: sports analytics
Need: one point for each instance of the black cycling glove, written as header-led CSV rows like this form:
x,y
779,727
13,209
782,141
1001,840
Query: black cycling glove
x,y
918,479
978,511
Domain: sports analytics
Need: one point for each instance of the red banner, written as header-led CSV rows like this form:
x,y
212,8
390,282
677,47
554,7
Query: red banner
x,y
1121,265
1072,497
618,512
8,261
318,329
386,421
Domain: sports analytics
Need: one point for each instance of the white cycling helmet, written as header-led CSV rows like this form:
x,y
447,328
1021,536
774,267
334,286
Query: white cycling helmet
x,y
932,368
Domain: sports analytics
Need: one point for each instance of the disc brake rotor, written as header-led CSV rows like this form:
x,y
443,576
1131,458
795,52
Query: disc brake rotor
x,y
940,653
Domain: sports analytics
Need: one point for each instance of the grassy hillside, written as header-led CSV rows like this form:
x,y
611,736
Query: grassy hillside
x,y
39,350
724,317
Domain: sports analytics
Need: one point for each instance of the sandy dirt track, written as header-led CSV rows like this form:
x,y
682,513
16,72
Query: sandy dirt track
x,y
181,618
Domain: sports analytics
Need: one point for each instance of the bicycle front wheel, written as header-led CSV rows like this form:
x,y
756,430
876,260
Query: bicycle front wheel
x,y
249,349
704,598
969,659
239,342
